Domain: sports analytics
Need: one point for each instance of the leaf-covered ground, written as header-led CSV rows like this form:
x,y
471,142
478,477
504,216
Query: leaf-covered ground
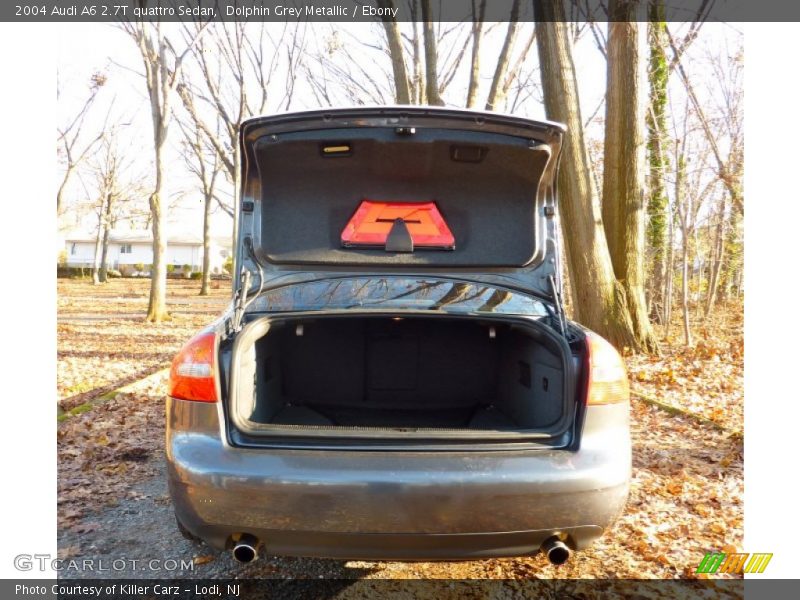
x,y
103,341
707,378
686,493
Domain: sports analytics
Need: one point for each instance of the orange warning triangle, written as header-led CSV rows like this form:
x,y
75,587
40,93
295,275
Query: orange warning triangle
x,y
371,223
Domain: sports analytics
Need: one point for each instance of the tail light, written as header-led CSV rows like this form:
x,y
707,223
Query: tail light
x,y
608,379
193,375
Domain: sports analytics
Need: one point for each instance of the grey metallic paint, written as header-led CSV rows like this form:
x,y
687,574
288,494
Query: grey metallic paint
x,y
382,504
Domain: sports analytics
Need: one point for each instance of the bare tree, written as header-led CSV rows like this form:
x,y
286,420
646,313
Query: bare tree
x,y
431,54
729,124
238,63
694,184
495,91
436,55
660,68
717,255
513,75
162,68
72,149
108,171
205,164
730,172
478,14
419,92
684,211
395,43
339,74
669,268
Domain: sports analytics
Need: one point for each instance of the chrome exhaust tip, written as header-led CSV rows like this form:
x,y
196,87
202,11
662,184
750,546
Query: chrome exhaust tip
x,y
556,551
245,550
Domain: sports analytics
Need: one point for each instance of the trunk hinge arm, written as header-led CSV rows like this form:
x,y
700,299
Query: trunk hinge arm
x,y
241,301
562,319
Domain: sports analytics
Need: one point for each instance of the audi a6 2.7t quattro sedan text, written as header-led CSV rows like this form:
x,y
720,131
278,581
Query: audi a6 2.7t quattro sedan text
x,y
395,377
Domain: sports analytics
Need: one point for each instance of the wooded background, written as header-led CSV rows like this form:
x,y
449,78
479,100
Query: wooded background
x,y
651,198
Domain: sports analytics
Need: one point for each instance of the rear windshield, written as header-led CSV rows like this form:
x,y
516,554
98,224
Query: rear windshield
x,y
484,185
398,293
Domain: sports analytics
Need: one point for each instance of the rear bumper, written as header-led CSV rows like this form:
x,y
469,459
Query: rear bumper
x,y
396,505
413,546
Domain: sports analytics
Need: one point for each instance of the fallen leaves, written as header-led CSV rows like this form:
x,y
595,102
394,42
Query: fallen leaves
x,y
103,451
706,379
686,491
103,341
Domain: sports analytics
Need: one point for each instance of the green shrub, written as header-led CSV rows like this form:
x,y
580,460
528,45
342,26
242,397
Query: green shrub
x,y
187,268
228,265
170,268
196,275
139,267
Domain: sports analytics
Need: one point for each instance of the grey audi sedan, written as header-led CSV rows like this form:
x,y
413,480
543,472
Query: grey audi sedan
x,y
395,377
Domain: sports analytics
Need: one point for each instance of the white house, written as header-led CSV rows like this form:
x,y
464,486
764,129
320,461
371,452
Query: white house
x,y
126,249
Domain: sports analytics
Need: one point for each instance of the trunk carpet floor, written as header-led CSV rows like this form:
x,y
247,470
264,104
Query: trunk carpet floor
x,y
484,418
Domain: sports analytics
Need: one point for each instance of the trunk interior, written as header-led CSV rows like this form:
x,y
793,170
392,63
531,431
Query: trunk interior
x,y
393,372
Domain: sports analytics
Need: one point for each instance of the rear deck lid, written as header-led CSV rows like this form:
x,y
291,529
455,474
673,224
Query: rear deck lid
x,y
399,190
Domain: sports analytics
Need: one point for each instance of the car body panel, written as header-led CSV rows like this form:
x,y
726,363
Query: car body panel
x,y
332,496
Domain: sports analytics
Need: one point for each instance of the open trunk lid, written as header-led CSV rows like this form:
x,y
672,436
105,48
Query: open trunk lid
x,y
317,186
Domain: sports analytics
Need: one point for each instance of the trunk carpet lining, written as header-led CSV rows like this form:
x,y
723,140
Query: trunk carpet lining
x,y
482,417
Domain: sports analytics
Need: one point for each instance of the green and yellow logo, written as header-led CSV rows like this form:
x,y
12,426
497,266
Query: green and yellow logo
x,y
719,562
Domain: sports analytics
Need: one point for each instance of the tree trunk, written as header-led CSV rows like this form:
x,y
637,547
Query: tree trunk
x,y
687,330
157,306
717,259
599,301
103,276
496,91
431,68
669,275
62,187
658,76
731,268
679,172
395,44
624,161
419,80
97,245
478,13
204,287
